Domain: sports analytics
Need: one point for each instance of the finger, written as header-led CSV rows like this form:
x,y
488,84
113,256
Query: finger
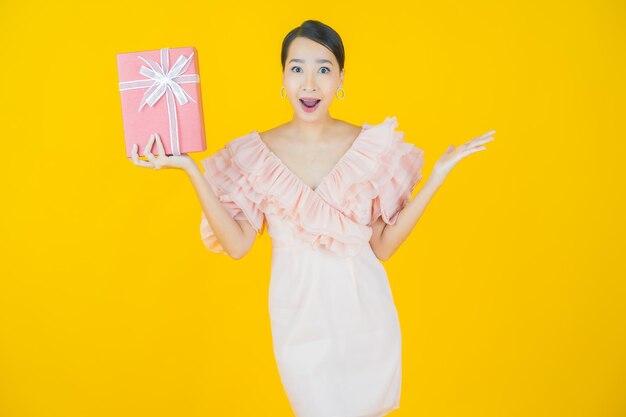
x,y
160,145
157,154
491,132
470,151
148,151
148,148
142,163
151,158
486,137
133,154
137,161
480,140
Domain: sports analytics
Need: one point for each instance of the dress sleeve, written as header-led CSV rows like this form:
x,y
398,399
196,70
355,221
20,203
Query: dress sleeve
x,y
235,190
401,166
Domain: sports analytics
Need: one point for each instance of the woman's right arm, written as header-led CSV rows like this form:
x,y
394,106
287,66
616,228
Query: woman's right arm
x,y
235,236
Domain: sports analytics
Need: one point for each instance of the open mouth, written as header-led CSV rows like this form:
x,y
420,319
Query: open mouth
x,y
310,103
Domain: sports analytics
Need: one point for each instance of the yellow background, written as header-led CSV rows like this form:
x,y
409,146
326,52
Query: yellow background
x,y
510,290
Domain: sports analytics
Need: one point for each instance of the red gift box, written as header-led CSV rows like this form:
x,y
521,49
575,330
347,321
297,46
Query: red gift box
x,y
161,98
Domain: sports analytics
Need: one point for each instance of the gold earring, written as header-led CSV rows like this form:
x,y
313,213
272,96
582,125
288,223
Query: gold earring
x,y
342,96
281,92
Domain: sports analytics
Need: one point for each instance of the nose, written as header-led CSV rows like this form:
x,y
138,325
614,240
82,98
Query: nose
x,y
309,83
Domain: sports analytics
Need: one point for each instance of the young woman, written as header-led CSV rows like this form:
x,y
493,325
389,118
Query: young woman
x,y
336,199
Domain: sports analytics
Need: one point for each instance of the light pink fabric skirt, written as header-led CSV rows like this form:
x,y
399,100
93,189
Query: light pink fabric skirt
x,y
336,333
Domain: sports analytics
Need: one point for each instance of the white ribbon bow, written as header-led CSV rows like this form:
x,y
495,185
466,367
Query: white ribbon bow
x,y
163,81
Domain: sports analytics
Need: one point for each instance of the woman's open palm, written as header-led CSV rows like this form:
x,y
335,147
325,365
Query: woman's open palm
x,y
452,156
161,160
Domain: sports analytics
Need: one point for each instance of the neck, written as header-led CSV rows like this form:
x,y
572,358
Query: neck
x,y
313,130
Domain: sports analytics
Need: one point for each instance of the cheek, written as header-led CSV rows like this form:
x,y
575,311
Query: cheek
x,y
290,81
329,89
329,83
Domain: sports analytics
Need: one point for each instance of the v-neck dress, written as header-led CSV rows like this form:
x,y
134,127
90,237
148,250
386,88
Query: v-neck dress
x,y
335,328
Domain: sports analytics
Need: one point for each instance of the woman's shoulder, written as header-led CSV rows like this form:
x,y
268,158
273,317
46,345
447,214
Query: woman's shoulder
x,y
348,129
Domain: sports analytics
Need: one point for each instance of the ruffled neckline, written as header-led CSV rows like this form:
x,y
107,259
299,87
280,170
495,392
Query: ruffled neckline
x,y
359,163
378,167
257,136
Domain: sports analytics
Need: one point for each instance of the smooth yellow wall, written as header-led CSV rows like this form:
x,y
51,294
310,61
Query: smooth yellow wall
x,y
510,289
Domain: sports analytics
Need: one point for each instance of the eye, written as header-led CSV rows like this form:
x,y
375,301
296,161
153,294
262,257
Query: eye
x,y
326,68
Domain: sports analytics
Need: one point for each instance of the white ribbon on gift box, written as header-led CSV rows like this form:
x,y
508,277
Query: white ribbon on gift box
x,y
162,80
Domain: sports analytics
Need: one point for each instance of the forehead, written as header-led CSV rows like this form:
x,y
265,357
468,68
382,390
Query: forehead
x,y
308,50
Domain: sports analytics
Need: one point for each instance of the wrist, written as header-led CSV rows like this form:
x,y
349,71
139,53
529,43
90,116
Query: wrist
x,y
189,166
434,181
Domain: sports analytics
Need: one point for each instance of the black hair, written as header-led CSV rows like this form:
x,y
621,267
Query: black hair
x,y
318,32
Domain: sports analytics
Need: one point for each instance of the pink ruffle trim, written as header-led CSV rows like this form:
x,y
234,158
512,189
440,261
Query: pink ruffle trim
x,y
374,178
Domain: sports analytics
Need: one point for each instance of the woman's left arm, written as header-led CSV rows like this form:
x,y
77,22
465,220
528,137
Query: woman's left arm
x,y
387,238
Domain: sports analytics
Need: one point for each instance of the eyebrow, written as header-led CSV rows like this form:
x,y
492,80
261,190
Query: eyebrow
x,y
319,61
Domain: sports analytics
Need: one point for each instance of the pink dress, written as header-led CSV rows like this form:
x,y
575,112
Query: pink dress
x,y
335,329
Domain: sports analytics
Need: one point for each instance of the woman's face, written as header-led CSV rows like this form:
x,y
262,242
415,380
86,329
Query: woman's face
x,y
311,72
